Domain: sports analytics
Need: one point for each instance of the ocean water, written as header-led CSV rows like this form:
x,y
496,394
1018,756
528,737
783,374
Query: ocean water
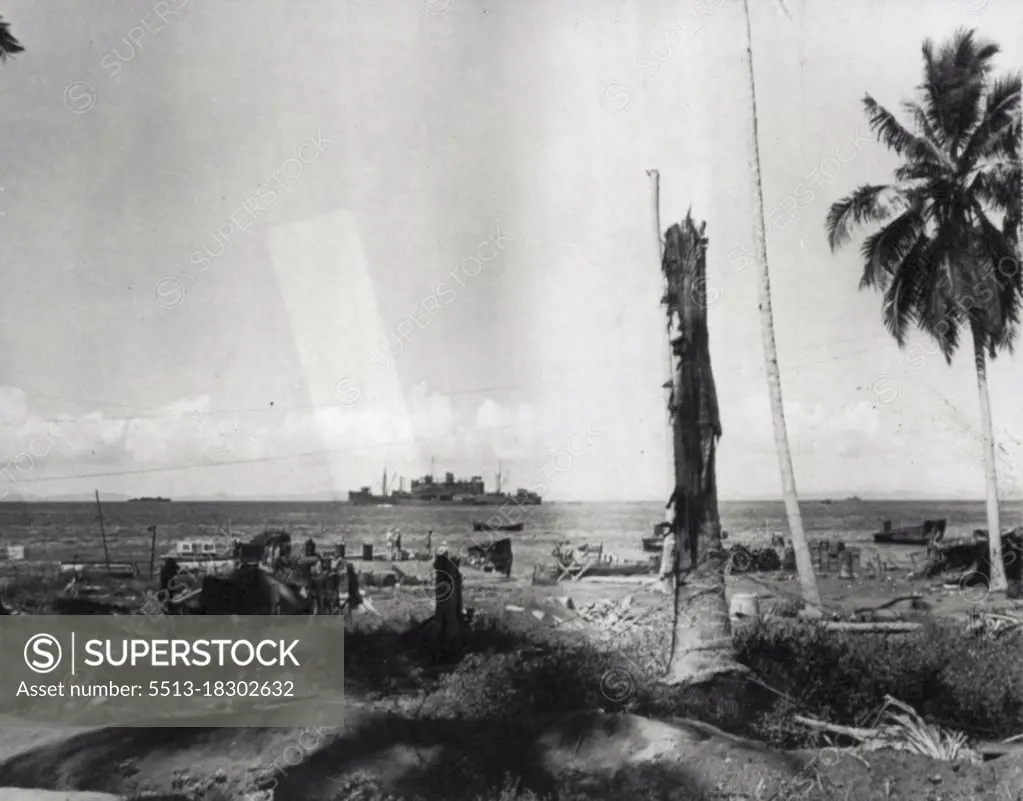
x,y
65,530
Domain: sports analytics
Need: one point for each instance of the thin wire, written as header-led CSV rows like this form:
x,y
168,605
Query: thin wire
x,y
478,390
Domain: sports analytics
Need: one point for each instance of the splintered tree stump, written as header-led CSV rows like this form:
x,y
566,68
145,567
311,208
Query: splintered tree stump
x,y
701,649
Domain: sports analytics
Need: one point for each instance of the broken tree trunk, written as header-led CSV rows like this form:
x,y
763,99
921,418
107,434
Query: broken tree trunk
x,y
702,638
448,607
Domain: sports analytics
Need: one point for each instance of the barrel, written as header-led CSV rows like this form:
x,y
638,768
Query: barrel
x,y
340,550
744,607
845,561
367,551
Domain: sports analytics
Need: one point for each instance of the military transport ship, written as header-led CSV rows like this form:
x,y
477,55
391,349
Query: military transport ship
x,y
427,491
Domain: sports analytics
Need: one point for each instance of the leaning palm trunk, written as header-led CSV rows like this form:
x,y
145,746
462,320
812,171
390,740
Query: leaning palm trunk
x,y
804,564
998,579
701,636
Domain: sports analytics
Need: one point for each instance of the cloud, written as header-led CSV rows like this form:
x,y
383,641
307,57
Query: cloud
x,y
191,431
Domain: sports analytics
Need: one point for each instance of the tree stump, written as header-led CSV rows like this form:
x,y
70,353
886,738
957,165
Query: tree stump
x,y
447,616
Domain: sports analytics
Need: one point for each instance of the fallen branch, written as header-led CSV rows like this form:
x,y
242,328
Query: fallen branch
x,y
855,732
998,749
886,604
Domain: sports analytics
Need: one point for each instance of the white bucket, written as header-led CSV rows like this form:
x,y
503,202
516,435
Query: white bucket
x,y
744,607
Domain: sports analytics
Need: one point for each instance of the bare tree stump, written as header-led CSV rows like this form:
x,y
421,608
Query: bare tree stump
x,y
701,647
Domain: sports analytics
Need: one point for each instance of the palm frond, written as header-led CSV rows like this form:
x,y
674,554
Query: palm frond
x,y
938,315
1003,277
900,308
910,732
955,79
9,45
995,182
870,203
994,133
924,123
885,251
897,138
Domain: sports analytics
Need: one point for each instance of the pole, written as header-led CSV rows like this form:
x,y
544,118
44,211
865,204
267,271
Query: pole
x,y
655,190
655,181
667,549
103,533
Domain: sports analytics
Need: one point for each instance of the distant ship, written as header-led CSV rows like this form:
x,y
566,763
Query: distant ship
x,y
451,491
146,499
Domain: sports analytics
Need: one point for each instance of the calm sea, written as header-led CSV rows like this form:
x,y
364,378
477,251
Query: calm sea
x,y
64,530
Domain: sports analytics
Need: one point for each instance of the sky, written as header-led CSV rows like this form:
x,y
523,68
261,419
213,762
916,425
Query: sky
x,y
271,250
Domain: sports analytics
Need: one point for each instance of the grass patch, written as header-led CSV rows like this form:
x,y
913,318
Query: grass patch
x,y
970,683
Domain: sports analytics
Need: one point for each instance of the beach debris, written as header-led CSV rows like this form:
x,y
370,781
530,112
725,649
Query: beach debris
x,y
992,624
613,617
900,728
743,559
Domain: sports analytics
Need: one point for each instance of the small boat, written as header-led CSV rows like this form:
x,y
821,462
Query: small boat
x,y
913,535
477,526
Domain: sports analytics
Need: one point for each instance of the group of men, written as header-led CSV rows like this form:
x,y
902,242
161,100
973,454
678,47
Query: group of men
x,y
394,544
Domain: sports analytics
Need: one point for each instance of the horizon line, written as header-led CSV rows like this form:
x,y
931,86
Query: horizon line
x,y
320,499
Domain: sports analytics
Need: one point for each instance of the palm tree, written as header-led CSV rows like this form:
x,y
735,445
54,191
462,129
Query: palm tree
x,y
9,46
940,258
804,565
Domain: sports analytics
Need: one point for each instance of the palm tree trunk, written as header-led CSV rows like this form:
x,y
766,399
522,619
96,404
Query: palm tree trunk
x,y
998,580
804,565
701,648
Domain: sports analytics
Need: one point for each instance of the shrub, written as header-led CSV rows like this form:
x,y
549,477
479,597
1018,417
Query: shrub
x,y
963,682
